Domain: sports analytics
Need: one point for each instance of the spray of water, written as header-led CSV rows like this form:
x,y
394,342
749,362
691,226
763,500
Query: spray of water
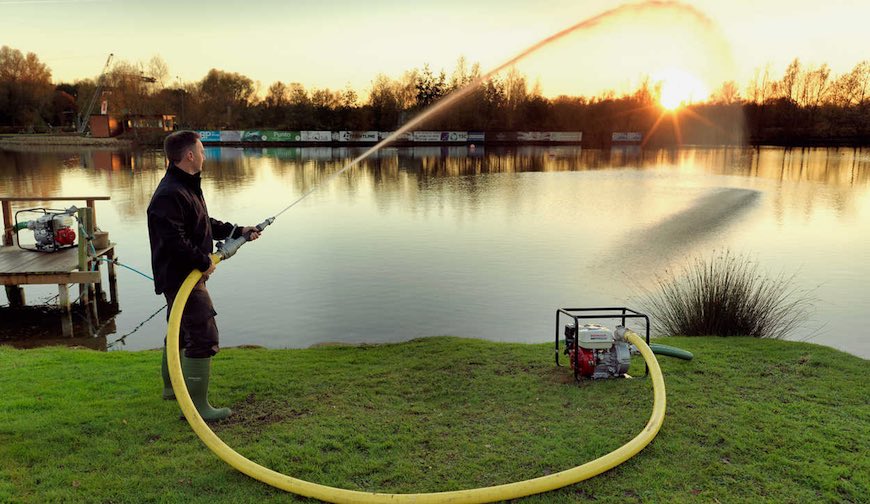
x,y
449,100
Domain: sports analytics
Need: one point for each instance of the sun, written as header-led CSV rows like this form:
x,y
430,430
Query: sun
x,y
678,88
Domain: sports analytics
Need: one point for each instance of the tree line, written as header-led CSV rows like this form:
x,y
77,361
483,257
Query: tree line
x,y
807,104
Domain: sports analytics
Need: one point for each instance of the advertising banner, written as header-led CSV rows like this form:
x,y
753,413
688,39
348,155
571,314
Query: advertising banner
x,y
316,136
454,136
273,136
253,136
476,136
404,137
209,136
231,136
533,136
622,136
357,136
566,136
270,136
502,136
282,136
427,136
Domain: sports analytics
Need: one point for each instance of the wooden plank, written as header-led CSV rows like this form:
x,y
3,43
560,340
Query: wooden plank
x,y
26,261
113,280
98,288
7,223
14,260
19,261
66,319
50,278
15,295
90,204
82,248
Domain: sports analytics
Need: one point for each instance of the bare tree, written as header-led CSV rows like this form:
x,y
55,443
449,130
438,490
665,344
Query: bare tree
x,y
158,70
727,94
787,87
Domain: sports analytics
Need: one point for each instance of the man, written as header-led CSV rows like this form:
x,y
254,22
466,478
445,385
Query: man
x,y
182,235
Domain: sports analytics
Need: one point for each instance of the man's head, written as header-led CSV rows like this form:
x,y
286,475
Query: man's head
x,y
185,150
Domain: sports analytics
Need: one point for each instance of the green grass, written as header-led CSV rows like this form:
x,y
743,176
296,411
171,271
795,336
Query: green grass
x,y
749,420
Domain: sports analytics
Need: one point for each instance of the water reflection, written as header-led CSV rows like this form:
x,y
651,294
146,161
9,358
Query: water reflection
x,y
444,240
708,215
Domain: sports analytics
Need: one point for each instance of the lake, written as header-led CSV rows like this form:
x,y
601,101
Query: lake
x,y
477,242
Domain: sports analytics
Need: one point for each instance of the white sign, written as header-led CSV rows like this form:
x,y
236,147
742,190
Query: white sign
x,y
315,136
627,136
427,136
533,136
566,136
404,137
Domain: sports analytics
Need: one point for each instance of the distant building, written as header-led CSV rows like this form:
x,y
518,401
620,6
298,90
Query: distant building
x,y
105,126
150,123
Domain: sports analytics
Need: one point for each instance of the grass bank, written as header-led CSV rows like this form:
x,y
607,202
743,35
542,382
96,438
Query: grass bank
x,y
748,420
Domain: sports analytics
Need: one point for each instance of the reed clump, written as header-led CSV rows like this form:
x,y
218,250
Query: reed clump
x,y
726,295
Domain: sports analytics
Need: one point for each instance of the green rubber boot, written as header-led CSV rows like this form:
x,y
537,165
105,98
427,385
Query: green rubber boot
x,y
168,393
196,375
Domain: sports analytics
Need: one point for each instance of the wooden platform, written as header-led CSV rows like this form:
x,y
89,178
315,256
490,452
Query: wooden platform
x,y
25,267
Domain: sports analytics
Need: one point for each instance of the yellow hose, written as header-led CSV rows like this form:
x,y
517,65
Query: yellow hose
x,y
475,495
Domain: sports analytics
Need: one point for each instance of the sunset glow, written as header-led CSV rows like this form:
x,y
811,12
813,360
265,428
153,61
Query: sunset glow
x,y
342,43
678,88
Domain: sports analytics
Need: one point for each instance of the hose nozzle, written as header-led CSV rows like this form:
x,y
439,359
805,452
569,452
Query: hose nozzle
x,y
230,246
261,226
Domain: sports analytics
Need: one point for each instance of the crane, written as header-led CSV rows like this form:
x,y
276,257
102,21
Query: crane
x,y
84,119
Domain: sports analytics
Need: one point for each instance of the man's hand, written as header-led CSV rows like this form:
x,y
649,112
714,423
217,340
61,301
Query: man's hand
x,y
250,233
208,272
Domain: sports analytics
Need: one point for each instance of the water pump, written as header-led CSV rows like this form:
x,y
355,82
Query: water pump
x,y
52,229
594,351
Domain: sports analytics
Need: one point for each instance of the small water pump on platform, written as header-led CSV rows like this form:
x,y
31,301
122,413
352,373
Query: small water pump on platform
x,y
53,229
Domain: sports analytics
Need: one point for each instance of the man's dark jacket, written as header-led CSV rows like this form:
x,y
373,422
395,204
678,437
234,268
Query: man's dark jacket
x,y
180,230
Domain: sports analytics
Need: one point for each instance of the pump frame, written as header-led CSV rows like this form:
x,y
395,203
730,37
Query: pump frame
x,y
597,313
45,211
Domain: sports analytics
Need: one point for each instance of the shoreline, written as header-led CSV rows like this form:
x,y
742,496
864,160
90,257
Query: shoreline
x,y
63,140
45,140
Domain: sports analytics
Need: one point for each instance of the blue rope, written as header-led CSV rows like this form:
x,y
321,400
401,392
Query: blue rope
x,y
115,261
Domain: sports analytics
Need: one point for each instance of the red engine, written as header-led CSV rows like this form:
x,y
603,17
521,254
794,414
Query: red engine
x,y
583,360
65,236
595,353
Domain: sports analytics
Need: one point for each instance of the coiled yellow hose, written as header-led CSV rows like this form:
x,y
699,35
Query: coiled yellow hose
x,y
475,495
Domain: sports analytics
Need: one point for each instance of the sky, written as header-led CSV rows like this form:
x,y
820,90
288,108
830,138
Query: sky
x,y
343,43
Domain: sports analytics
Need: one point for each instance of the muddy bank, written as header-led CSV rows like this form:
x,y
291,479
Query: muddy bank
x,y
75,140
